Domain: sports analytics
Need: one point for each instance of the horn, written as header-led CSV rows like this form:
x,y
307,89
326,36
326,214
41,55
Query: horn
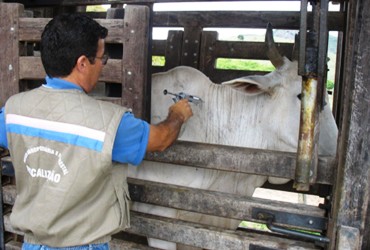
x,y
272,52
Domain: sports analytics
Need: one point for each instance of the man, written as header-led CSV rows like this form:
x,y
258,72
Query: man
x,y
65,145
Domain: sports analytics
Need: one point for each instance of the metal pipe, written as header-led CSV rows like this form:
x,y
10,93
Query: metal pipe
x,y
307,152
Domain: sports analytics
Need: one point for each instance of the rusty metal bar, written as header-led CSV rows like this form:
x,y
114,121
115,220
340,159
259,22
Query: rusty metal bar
x,y
312,94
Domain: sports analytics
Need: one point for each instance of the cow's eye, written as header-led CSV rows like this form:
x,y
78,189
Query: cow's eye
x,y
299,96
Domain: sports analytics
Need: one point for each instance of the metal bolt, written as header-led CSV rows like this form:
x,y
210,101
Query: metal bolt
x,y
185,54
195,54
196,41
10,67
132,31
310,222
129,73
12,29
186,41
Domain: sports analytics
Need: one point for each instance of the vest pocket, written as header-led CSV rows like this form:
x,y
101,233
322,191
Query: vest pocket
x,y
124,206
123,196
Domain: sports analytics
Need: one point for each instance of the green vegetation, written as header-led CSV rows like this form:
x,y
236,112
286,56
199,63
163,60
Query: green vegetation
x,y
158,61
254,225
95,8
329,84
244,64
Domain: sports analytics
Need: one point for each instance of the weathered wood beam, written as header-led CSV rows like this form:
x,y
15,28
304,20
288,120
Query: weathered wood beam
x,y
351,208
207,237
135,81
241,19
238,159
223,204
30,29
213,203
30,67
9,50
200,236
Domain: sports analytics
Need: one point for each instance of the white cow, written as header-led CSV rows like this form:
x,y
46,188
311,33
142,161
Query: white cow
x,y
254,111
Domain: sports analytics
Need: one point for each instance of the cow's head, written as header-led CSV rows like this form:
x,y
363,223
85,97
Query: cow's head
x,y
285,75
283,86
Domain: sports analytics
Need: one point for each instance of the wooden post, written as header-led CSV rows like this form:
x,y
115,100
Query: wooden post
x,y
352,188
9,50
173,48
135,90
207,60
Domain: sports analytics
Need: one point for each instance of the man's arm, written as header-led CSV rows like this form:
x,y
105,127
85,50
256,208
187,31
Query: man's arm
x,y
162,135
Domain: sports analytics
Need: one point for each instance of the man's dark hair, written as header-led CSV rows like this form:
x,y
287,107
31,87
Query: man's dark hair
x,y
67,37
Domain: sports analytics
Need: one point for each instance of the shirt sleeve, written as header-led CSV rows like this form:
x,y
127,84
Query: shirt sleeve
x,y
131,140
3,139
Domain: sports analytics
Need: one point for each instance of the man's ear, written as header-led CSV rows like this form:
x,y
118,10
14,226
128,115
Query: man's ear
x,y
82,63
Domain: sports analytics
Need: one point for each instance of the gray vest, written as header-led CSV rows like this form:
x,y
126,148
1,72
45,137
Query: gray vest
x,y
68,191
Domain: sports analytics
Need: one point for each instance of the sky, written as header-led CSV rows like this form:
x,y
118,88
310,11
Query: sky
x,y
161,33
238,5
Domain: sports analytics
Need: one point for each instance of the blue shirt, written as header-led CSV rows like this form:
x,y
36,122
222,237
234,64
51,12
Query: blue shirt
x,y
131,138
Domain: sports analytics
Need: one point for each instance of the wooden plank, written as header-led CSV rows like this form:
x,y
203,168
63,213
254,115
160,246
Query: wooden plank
x,y
248,50
173,49
207,51
116,244
207,237
9,50
159,47
221,204
238,159
30,67
209,202
30,29
191,45
135,90
9,194
200,236
241,19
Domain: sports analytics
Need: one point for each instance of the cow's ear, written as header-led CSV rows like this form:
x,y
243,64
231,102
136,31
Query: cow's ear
x,y
246,85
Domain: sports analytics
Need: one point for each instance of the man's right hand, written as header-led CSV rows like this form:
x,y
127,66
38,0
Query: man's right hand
x,y
183,109
162,135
